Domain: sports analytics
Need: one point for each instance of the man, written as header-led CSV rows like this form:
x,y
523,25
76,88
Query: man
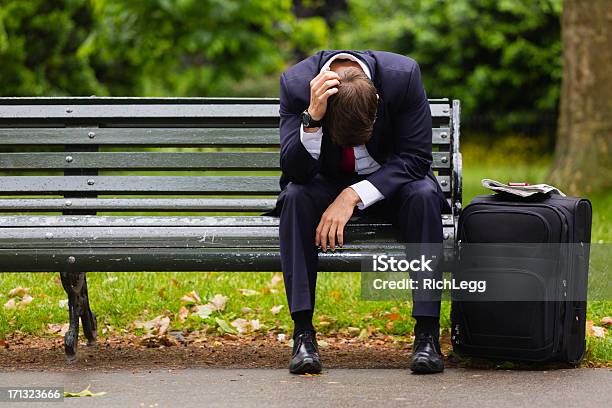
x,y
355,131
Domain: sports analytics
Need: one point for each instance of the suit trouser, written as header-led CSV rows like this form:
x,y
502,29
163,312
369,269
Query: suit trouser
x,y
415,210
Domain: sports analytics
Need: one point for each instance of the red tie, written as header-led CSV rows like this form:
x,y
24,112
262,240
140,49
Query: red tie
x,y
347,162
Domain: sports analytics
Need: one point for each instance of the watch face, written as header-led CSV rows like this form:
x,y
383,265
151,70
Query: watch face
x,y
305,119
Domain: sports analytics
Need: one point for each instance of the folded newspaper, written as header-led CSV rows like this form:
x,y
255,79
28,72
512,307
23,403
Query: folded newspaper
x,y
521,189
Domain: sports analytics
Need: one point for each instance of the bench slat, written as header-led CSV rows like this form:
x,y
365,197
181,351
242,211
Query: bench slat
x,y
141,160
146,100
137,204
193,109
141,184
197,137
132,111
251,185
71,221
177,237
155,160
173,259
171,237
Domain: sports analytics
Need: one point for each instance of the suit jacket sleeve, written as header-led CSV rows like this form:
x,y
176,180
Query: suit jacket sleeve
x,y
295,161
411,126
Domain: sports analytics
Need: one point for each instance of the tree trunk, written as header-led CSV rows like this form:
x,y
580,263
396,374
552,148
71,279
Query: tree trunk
x,y
583,156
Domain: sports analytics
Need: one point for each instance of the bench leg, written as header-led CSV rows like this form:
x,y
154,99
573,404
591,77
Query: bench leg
x,y
75,285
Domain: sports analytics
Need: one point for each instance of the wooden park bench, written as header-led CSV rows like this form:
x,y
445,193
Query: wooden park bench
x,y
84,181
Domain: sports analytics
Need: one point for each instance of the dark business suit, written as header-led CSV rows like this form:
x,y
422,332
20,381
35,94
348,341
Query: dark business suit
x,y
401,144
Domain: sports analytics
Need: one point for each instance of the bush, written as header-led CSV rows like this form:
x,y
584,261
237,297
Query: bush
x,y
502,58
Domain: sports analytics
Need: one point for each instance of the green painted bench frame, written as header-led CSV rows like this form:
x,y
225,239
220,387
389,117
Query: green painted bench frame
x,y
74,199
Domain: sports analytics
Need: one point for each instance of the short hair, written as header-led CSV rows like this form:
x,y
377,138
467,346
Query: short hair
x,y
351,112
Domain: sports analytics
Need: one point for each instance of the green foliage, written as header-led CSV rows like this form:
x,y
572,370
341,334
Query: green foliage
x,y
186,47
148,47
501,58
38,48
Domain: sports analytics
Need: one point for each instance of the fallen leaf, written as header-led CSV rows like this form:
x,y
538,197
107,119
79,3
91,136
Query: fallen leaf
x,y
111,279
63,303
606,321
281,337
255,325
163,325
323,344
246,310
276,279
242,325
191,297
154,341
597,331
58,328
363,335
85,393
224,326
218,301
11,304
354,331
18,292
276,309
182,314
248,292
159,325
26,300
335,294
162,292
204,311
393,316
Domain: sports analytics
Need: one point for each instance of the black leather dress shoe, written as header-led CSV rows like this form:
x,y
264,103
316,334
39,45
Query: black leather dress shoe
x,y
426,356
305,358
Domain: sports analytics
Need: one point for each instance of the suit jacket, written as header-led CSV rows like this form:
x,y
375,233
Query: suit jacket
x,y
401,141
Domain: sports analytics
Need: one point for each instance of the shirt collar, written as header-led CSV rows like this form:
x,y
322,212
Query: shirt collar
x,y
344,55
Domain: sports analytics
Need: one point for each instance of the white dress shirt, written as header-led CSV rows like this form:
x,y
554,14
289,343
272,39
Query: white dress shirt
x,y
364,163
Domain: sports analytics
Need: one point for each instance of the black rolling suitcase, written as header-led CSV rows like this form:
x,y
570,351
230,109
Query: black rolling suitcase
x,y
538,246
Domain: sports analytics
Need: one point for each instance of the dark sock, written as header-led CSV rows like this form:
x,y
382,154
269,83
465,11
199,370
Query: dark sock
x,y
427,325
302,321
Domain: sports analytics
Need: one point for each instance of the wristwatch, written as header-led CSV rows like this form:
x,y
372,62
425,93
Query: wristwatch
x,y
308,122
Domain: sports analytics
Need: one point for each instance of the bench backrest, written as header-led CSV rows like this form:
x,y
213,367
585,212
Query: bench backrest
x,y
92,155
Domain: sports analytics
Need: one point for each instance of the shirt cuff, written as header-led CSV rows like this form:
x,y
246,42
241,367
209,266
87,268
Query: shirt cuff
x,y
312,141
368,194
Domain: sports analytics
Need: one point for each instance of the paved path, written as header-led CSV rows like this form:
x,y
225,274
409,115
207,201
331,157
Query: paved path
x,y
337,388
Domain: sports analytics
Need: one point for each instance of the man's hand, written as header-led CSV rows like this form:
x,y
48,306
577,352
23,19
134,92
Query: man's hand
x,y
331,227
321,88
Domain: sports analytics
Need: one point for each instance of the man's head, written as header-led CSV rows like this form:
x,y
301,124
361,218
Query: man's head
x,y
350,115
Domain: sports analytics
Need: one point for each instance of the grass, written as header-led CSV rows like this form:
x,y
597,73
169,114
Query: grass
x,y
119,299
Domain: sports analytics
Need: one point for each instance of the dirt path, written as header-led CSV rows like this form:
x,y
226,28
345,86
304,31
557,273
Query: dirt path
x,y
24,353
